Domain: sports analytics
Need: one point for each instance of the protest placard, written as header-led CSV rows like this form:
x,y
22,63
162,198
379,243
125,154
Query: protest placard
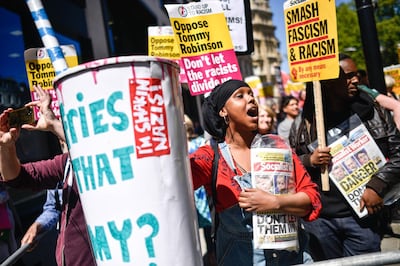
x,y
311,39
272,171
239,20
162,43
205,45
355,158
256,84
40,71
394,72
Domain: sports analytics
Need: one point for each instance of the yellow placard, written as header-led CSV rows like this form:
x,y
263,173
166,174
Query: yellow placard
x,y
398,51
195,35
161,43
394,72
256,84
311,39
205,45
40,70
294,87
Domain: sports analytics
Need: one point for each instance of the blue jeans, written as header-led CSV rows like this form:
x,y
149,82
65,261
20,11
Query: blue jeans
x,y
340,237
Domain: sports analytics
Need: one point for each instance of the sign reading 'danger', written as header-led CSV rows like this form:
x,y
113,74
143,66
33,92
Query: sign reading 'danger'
x,y
311,39
205,45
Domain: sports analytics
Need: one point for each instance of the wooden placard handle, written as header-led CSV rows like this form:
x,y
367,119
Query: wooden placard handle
x,y
319,117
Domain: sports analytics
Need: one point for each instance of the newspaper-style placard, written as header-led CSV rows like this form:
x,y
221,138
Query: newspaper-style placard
x,y
355,159
272,170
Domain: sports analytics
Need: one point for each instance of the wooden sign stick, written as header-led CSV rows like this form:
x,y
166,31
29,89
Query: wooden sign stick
x,y
319,117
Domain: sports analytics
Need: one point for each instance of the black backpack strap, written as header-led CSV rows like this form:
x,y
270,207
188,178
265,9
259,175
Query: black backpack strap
x,y
214,172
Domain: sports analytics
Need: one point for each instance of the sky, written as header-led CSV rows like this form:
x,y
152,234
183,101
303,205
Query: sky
x,y
278,20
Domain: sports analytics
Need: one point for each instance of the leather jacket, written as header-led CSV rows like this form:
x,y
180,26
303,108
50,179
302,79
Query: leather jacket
x,y
381,127
386,135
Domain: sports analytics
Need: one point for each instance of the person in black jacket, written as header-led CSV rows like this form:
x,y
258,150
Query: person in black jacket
x,y
339,232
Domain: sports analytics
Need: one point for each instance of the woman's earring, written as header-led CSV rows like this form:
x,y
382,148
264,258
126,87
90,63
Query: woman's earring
x,y
226,120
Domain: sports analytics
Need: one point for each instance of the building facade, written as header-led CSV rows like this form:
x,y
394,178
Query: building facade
x,y
266,57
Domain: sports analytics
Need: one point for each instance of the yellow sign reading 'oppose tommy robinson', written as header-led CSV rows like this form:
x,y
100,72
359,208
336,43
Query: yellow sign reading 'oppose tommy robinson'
x,y
311,39
162,42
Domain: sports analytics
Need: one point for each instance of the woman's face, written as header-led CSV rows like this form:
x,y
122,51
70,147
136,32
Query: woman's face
x,y
264,122
241,109
292,108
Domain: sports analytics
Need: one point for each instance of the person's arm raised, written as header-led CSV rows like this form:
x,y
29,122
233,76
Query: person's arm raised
x,y
10,165
392,105
384,101
47,121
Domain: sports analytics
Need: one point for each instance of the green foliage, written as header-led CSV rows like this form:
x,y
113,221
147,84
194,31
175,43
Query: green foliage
x,y
349,33
387,18
387,9
388,27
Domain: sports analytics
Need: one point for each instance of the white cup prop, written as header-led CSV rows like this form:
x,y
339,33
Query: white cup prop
x,y
123,120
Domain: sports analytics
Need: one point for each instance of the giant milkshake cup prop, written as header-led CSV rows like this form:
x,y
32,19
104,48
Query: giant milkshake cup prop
x,y
123,121
47,35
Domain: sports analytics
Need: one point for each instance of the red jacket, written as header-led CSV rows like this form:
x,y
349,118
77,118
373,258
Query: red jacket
x,y
228,189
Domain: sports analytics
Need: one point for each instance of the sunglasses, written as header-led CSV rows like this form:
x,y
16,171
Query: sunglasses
x,y
351,75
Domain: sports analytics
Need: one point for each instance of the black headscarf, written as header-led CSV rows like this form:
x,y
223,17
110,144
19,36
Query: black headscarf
x,y
214,124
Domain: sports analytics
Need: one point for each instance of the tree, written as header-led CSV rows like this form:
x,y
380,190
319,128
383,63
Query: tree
x,y
349,33
388,27
387,18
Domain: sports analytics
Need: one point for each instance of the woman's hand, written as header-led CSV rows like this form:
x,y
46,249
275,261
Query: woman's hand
x,y
258,200
7,135
47,117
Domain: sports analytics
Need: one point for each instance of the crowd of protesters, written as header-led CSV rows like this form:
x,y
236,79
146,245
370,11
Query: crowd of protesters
x,y
233,118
